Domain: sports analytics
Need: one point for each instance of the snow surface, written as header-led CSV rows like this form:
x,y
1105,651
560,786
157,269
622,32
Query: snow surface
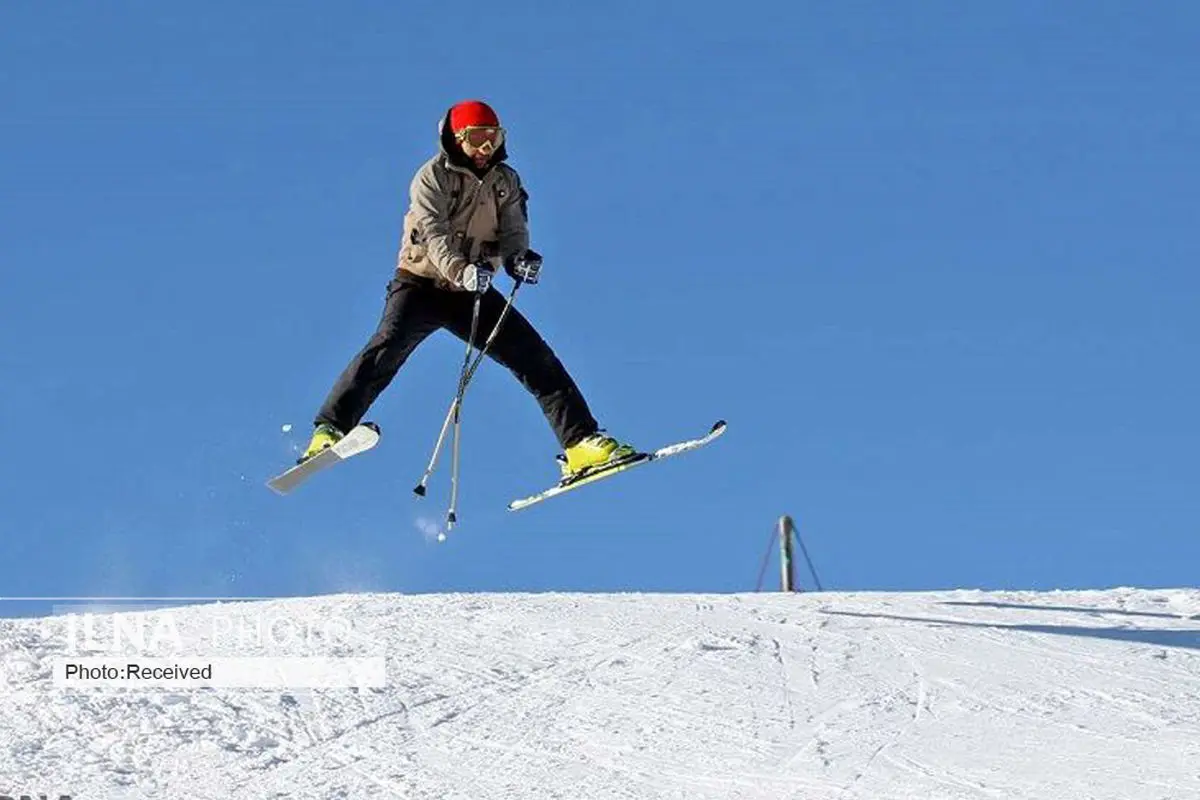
x,y
941,695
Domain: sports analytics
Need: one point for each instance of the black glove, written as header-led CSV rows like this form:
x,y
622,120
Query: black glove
x,y
524,267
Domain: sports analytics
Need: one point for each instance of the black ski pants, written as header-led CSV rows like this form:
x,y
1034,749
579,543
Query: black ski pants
x,y
415,308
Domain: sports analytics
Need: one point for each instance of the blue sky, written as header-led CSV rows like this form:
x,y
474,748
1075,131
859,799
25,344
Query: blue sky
x,y
934,262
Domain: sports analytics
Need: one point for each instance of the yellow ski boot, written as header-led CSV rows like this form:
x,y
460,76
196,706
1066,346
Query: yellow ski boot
x,y
324,435
592,454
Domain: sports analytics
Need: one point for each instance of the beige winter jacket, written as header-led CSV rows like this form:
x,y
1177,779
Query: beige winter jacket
x,y
456,218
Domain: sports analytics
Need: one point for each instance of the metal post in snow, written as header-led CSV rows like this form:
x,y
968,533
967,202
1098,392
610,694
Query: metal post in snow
x,y
786,566
812,570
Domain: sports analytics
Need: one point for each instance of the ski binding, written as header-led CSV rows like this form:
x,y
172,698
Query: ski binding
x,y
608,470
360,439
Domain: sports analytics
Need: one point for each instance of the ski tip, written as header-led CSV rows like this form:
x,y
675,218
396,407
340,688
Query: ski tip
x,y
718,426
419,490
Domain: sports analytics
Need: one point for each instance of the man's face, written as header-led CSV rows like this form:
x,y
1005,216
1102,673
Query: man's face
x,y
480,142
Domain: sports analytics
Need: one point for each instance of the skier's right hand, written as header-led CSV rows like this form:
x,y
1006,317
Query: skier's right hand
x,y
477,277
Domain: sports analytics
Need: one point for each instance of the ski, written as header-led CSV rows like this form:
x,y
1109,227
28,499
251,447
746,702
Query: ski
x,y
636,460
360,439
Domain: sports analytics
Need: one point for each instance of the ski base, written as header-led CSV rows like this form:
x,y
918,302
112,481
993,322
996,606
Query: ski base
x,y
608,471
360,439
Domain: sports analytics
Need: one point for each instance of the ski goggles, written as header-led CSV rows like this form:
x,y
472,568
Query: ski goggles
x,y
481,139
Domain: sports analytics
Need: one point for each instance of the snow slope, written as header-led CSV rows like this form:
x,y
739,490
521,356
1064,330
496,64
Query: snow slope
x,y
944,695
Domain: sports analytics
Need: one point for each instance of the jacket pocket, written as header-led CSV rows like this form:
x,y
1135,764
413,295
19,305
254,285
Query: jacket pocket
x,y
414,253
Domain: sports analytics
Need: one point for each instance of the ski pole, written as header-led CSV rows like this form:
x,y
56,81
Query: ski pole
x,y
463,379
419,489
468,373
492,336
452,415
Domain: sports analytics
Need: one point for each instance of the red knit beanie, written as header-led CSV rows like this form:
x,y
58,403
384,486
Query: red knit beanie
x,y
470,113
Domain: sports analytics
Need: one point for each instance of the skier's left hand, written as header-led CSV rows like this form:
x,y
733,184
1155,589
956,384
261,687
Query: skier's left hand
x,y
524,267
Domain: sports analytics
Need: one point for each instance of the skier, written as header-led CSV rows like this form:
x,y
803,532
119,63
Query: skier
x,y
467,217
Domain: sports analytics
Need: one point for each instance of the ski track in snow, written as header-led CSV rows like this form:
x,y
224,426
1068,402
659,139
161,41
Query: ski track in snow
x,y
956,695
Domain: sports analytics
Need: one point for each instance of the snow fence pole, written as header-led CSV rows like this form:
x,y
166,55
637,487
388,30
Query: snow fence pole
x,y
786,569
788,531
